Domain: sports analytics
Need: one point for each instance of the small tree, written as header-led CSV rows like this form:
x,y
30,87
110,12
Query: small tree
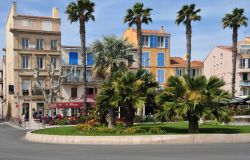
x,y
50,94
193,98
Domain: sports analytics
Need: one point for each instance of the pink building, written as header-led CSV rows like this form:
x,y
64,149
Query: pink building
x,y
219,63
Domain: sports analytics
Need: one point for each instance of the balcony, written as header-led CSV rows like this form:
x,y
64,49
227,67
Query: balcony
x,y
245,83
77,80
245,51
36,91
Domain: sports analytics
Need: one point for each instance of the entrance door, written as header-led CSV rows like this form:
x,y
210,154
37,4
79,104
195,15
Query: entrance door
x,y
40,109
26,110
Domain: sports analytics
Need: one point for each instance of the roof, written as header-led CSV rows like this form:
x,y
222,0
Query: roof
x,y
180,62
228,48
157,32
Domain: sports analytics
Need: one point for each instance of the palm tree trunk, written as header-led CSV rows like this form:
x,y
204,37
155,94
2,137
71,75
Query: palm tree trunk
x,y
188,43
139,37
83,45
129,116
111,118
234,54
193,124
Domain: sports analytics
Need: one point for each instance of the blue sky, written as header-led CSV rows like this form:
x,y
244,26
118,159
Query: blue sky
x,y
109,14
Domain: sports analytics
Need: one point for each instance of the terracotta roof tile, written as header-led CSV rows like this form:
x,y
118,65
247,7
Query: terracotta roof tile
x,y
179,62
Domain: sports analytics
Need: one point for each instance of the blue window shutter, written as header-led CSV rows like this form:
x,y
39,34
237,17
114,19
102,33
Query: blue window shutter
x,y
151,41
166,42
177,72
145,59
160,75
90,60
160,60
73,58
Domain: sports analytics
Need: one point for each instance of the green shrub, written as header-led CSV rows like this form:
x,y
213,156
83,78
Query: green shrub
x,y
247,111
156,130
133,130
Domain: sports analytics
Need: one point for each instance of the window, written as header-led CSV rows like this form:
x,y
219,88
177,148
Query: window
x,y
89,76
53,44
25,43
11,89
53,61
245,78
161,76
244,91
145,59
90,60
248,63
73,92
73,58
180,71
47,25
25,87
130,60
161,41
145,41
160,60
90,91
39,44
221,56
194,72
39,62
25,23
242,63
25,61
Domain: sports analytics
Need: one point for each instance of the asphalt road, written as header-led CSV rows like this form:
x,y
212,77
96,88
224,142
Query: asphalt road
x,y
13,146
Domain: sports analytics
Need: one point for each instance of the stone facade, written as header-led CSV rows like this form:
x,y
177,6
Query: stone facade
x,y
31,41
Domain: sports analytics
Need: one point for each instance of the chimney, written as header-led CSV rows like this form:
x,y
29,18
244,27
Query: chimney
x,y
162,29
13,8
55,12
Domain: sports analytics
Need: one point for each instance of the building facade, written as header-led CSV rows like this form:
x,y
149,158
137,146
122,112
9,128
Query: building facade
x,y
72,85
219,63
31,42
155,51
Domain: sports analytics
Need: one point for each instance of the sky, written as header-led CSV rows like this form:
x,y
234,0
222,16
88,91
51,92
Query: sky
x,y
109,14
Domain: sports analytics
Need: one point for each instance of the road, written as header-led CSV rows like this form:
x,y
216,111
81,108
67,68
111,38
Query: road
x,y
13,146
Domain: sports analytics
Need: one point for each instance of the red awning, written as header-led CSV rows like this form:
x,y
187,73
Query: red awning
x,y
75,104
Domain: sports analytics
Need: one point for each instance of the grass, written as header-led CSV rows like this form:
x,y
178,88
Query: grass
x,y
169,128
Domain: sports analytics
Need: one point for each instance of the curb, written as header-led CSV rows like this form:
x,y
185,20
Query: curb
x,y
135,140
14,126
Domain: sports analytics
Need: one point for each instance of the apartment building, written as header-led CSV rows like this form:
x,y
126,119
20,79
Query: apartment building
x,y
155,51
219,63
72,85
31,42
1,90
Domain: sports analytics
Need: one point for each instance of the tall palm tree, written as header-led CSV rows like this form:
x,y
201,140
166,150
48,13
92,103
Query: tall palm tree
x,y
82,11
234,21
186,15
138,15
193,98
110,56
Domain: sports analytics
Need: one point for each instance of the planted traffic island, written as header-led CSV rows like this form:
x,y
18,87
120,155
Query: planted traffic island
x,y
163,133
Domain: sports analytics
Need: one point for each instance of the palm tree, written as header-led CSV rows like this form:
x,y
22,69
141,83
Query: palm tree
x,y
138,15
106,102
194,98
186,15
82,11
110,56
132,90
234,21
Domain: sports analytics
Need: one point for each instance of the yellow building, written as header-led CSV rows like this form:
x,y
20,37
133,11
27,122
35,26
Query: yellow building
x,y
155,51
